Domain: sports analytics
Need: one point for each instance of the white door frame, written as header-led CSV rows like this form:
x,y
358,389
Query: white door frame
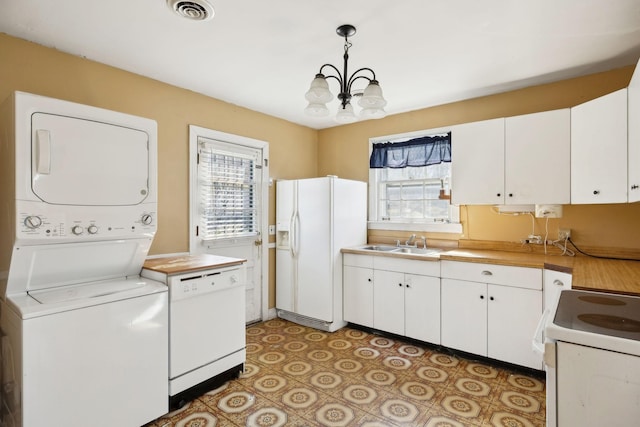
x,y
194,133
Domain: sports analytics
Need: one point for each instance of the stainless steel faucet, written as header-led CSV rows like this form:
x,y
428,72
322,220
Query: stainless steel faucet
x,y
411,241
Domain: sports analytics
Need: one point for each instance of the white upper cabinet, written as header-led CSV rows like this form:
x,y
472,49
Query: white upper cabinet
x,y
518,160
633,114
477,167
537,158
599,150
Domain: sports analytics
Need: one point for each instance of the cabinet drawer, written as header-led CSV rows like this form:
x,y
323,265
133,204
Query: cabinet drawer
x,y
521,277
403,265
365,261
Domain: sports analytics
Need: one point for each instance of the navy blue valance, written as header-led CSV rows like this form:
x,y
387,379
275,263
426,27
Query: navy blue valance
x,y
423,151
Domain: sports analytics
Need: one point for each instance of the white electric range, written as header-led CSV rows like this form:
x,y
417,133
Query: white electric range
x,y
597,359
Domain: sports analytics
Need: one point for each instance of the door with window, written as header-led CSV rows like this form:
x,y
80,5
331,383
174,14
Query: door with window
x,y
228,204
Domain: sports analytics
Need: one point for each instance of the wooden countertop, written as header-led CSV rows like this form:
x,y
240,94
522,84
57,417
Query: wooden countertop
x,y
588,273
188,263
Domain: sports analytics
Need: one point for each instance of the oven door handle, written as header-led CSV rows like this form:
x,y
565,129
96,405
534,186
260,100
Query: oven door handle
x,y
538,337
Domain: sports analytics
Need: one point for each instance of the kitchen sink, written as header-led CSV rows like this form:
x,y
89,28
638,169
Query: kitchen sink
x,y
382,248
417,251
402,249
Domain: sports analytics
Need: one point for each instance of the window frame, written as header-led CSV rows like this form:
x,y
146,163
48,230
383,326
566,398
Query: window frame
x,y
374,223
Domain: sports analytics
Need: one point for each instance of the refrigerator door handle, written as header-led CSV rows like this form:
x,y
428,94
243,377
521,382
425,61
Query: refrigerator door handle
x,y
292,231
295,239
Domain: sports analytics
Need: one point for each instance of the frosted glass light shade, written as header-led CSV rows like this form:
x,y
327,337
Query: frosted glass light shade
x,y
372,96
372,113
346,115
319,91
316,109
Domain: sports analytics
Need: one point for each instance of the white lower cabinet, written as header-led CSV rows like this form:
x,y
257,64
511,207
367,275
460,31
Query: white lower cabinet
x,y
484,309
512,317
407,304
422,308
491,310
388,301
464,315
358,289
387,294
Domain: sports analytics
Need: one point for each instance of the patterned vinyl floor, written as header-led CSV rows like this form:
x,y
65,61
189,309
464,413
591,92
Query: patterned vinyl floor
x,y
299,376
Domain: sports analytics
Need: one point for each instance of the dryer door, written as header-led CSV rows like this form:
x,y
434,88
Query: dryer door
x,y
88,163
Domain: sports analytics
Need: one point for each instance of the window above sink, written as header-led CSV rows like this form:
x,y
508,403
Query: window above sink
x,y
409,186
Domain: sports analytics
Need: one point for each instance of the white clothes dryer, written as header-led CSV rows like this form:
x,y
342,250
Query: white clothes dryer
x,y
85,337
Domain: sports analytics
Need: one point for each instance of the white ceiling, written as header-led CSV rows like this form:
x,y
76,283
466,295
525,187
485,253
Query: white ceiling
x,y
262,55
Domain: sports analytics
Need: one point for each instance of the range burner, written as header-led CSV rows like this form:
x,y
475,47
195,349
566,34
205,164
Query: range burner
x,y
596,299
611,322
599,313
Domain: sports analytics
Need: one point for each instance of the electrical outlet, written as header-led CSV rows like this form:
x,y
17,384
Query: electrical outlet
x,y
548,211
536,240
272,230
564,233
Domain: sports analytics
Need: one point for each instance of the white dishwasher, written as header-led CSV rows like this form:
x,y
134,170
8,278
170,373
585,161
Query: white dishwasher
x,y
206,321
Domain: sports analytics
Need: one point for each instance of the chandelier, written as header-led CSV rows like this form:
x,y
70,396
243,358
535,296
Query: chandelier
x,y
371,99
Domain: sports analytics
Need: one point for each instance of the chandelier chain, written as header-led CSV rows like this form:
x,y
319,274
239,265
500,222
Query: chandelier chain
x,y
347,45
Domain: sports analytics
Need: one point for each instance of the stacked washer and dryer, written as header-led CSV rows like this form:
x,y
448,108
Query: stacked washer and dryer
x,y
84,336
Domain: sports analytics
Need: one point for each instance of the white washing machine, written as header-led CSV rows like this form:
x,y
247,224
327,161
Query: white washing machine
x,y
84,337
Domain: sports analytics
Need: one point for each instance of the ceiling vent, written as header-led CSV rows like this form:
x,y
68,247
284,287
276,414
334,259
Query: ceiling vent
x,y
195,10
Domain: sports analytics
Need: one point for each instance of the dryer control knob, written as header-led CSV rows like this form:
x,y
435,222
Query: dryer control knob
x,y
147,219
92,229
77,230
33,222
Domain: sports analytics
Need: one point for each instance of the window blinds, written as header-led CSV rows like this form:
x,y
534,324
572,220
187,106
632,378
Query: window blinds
x,y
227,189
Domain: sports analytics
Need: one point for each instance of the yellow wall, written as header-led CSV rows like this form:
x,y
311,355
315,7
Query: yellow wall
x,y
301,152
344,151
36,69
33,68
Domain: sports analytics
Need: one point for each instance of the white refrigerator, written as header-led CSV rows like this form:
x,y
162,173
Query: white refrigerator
x,y
315,218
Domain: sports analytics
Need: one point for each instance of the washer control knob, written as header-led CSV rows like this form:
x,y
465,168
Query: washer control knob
x,y
92,229
147,219
33,222
77,230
